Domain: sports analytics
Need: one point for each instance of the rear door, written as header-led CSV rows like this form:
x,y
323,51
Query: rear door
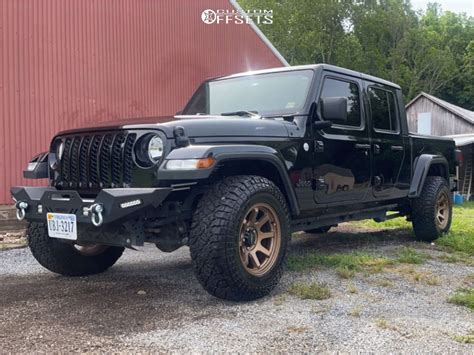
x,y
388,145
341,163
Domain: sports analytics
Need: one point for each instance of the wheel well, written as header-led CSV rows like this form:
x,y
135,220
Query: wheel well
x,y
438,170
252,167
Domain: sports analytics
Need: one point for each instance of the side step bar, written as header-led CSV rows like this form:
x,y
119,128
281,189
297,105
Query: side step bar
x,y
379,214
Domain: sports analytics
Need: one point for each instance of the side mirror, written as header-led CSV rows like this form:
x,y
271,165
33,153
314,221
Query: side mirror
x,y
334,109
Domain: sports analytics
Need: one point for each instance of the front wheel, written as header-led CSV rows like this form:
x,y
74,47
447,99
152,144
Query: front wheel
x,y
69,259
432,211
238,238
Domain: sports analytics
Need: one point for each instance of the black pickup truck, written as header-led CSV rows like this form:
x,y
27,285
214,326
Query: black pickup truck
x,y
252,158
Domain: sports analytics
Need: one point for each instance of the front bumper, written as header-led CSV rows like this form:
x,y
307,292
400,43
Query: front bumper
x,y
115,204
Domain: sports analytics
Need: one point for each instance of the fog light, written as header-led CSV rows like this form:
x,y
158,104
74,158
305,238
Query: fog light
x,y
130,203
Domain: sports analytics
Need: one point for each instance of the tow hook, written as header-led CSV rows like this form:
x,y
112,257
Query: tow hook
x,y
96,214
21,207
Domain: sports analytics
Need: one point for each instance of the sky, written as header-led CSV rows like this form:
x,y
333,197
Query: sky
x,y
466,6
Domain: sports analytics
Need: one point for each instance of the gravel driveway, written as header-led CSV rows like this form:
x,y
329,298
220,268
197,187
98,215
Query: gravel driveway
x,y
150,301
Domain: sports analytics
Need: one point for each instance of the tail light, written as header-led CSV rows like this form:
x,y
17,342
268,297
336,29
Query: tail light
x,y
459,157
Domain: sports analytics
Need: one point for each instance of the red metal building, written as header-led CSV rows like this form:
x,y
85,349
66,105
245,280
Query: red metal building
x,y
66,64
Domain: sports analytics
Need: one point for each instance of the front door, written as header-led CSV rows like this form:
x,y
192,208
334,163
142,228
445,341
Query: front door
x,y
341,164
388,145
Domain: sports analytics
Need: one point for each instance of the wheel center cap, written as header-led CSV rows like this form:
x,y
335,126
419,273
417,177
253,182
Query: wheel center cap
x,y
250,237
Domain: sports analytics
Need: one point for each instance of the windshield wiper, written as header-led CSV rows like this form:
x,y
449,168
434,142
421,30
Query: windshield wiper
x,y
241,113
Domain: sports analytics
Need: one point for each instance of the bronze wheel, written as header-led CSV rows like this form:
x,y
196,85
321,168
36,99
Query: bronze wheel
x,y
432,211
260,239
238,238
442,210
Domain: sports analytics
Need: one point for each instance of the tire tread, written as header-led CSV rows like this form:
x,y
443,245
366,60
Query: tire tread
x,y
214,220
62,258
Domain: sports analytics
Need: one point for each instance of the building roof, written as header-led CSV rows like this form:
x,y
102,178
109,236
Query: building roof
x,y
462,139
456,110
260,34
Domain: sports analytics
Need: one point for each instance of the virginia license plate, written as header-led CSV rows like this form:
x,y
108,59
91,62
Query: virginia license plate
x,y
62,226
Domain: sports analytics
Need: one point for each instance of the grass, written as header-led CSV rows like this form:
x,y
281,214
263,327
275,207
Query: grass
x,y
465,339
428,279
348,264
382,323
355,312
352,289
469,279
310,291
345,263
459,239
410,256
345,273
432,280
404,269
384,283
457,257
463,297
396,223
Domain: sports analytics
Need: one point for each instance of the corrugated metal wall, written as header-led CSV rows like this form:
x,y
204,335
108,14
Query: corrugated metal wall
x,y
66,64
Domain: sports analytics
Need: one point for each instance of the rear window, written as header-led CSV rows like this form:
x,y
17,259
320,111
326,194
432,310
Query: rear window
x,y
383,109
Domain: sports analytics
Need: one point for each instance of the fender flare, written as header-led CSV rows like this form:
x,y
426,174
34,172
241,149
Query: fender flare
x,y
224,153
37,167
422,166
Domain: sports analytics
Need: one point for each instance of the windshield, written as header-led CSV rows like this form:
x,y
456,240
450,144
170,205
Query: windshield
x,y
267,94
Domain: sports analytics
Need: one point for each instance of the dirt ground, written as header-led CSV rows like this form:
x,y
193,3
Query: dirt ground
x,y
150,301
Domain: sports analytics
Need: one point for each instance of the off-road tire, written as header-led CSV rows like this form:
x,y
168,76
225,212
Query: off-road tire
x,y
63,258
216,231
424,210
320,230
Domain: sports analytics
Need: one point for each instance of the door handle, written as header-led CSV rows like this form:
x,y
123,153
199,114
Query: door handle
x,y
376,149
396,148
362,146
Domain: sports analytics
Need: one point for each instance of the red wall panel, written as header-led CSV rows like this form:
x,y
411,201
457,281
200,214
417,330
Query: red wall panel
x,y
67,64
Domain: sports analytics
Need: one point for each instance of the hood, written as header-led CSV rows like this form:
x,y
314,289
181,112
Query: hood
x,y
199,126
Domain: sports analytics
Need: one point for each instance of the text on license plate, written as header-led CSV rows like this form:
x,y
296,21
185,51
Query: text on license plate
x,y
62,226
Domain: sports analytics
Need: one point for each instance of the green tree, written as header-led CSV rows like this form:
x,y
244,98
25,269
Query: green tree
x,y
428,51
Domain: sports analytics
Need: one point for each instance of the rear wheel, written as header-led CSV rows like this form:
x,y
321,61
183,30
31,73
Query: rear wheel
x,y
69,259
432,210
238,238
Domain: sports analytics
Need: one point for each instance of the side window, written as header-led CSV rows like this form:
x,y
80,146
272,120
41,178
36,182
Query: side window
x,y
340,88
383,107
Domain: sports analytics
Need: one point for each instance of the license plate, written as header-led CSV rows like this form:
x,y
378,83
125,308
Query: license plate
x,y
62,226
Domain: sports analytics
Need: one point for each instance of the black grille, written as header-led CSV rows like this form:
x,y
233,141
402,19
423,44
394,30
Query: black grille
x,y
99,160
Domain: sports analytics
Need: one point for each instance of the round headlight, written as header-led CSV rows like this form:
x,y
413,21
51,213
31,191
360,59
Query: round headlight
x,y
155,148
60,150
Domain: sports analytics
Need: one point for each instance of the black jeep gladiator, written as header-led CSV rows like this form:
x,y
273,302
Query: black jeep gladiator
x,y
252,158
